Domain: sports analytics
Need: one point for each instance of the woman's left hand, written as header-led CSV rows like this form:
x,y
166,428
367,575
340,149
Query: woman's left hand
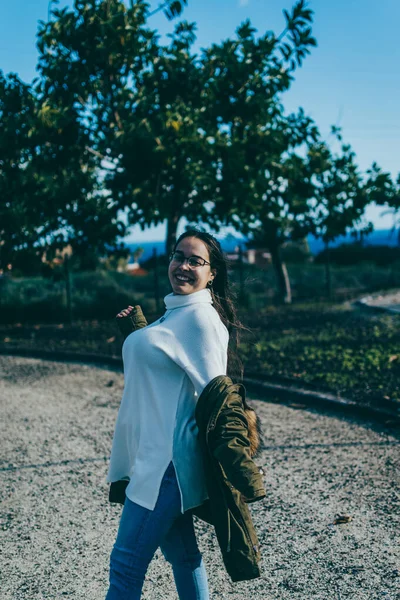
x,y
125,313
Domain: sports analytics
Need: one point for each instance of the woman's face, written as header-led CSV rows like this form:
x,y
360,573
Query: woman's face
x,y
184,279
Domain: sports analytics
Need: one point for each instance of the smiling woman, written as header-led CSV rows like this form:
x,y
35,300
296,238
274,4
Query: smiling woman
x,y
189,268
157,448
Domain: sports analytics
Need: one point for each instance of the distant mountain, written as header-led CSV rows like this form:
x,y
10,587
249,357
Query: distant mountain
x,y
381,237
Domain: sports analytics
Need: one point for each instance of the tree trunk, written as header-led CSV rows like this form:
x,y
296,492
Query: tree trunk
x,y
243,297
282,276
172,227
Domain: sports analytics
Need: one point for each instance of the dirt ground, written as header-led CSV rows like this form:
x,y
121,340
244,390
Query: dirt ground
x,y
57,527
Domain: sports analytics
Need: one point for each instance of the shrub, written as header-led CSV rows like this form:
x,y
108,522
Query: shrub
x,y
352,254
95,295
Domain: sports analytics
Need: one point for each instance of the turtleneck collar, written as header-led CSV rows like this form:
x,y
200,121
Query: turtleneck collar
x,y
178,300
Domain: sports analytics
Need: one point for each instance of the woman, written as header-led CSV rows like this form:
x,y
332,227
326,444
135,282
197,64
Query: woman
x,y
167,365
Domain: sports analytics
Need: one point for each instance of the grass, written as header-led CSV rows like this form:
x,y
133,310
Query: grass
x,y
327,347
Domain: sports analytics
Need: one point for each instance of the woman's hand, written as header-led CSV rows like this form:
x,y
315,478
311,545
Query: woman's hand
x,y
125,313
130,319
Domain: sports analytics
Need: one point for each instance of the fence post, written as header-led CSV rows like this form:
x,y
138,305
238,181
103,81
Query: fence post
x,y
242,292
68,288
156,284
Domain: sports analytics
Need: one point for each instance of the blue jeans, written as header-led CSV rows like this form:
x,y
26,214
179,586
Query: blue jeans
x,y
142,531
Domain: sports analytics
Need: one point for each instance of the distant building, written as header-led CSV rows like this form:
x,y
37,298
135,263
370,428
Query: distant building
x,y
260,257
135,269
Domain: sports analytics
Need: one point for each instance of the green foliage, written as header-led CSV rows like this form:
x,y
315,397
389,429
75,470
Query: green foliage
x,y
253,137
327,348
30,300
49,191
22,207
174,8
338,190
95,295
168,125
384,191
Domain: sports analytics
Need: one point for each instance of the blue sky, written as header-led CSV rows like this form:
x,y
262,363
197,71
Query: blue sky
x,y
351,79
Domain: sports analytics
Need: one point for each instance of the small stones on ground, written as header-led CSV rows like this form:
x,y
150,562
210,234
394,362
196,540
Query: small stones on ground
x,y
327,528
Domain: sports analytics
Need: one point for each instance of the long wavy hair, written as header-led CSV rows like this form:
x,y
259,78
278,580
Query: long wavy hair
x,y
223,298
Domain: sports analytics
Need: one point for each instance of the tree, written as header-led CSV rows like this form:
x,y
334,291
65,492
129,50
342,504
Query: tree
x,y
50,196
134,100
339,199
173,134
24,211
384,191
51,192
254,141
163,151
162,121
262,182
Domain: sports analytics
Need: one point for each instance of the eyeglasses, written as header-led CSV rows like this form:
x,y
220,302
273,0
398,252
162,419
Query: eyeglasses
x,y
194,262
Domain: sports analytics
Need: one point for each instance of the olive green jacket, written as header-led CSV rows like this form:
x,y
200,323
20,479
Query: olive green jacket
x,y
230,438
229,434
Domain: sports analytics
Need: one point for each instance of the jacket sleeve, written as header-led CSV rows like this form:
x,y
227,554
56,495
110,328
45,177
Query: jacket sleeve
x,y
135,320
230,445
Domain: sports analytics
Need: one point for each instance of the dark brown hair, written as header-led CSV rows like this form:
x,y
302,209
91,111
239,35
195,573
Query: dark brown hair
x,y
223,297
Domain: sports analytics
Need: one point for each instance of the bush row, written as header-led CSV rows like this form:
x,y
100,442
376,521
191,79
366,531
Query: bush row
x,y
95,295
101,294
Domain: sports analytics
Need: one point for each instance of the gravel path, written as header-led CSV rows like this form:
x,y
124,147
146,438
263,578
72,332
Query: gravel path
x,y
385,299
58,528
390,301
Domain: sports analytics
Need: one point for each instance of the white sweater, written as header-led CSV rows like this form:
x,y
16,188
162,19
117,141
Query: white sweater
x,y
166,367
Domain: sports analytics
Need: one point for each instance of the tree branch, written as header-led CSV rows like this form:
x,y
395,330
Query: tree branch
x,y
99,155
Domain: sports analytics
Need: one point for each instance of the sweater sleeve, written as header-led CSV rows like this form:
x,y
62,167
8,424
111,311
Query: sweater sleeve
x,y
202,347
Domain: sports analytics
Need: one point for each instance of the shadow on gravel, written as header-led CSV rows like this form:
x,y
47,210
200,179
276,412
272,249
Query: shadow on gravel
x,y
348,414
60,463
82,461
341,445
